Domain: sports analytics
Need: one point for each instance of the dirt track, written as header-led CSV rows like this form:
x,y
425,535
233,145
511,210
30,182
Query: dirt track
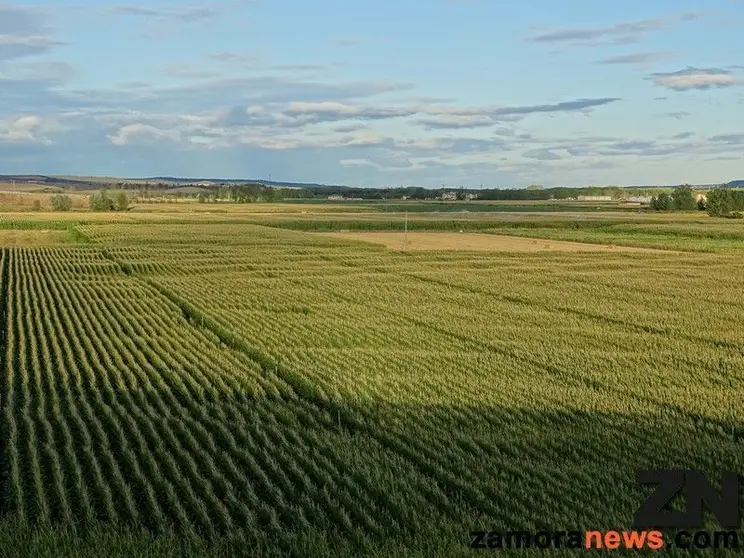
x,y
479,242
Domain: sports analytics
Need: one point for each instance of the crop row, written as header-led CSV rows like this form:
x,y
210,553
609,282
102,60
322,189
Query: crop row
x,y
505,380
115,408
279,383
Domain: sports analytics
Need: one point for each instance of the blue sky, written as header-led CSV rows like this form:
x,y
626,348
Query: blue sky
x,y
385,93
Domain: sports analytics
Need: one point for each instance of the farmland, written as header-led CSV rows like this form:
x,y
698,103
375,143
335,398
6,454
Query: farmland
x,y
218,380
475,242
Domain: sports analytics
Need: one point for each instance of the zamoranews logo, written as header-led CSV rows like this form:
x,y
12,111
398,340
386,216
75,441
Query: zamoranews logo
x,y
656,526
697,491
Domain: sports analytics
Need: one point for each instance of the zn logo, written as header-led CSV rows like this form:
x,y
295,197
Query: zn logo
x,y
696,490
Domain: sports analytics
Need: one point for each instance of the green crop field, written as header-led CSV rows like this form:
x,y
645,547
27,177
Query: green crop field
x,y
240,383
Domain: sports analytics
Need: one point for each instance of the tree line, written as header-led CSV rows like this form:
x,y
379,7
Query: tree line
x,y
258,192
100,201
721,201
718,202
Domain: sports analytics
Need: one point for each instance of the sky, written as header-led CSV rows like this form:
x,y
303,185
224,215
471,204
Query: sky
x,y
454,93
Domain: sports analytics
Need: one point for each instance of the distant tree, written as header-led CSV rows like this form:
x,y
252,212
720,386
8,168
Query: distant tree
x,y
36,206
683,198
702,204
270,194
725,202
122,202
419,193
60,202
101,202
662,202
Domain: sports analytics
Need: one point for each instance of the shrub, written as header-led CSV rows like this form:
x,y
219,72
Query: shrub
x,y
683,198
122,202
101,202
723,202
662,202
60,202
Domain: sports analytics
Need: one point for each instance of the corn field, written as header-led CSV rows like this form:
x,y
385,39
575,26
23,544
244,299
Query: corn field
x,y
287,389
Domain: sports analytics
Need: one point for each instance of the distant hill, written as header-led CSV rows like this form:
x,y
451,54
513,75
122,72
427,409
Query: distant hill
x,y
277,184
40,179
88,181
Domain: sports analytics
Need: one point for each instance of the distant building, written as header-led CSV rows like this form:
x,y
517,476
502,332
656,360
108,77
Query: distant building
x,y
448,196
336,197
640,199
595,198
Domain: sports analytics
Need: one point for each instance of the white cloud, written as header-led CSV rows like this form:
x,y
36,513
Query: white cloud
x,y
696,78
638,58
23,32
357,163
619,33
189,14
27,129
126,134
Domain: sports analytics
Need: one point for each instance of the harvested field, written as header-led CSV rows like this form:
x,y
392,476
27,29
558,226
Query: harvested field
x,y
478,242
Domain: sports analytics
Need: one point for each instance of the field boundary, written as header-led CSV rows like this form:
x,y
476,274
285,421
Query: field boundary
x,y
300,387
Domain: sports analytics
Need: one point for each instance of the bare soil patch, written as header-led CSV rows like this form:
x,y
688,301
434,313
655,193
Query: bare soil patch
x,y
31,238
478,242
